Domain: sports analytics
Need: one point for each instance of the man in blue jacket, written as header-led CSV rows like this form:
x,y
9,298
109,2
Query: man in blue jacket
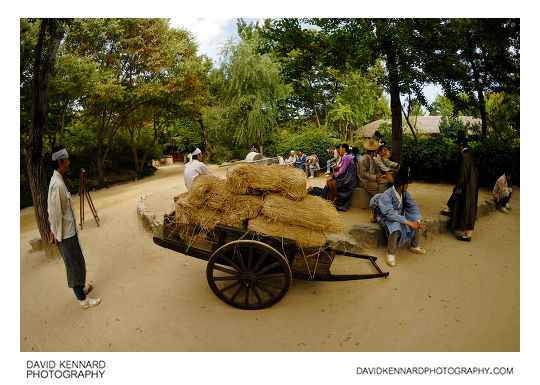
x,y
400,217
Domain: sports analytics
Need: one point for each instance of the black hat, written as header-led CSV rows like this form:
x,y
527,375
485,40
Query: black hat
x,y
402,176
377,133
461,139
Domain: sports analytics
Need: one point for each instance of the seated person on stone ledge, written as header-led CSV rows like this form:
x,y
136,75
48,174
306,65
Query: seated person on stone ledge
x,y
340,186
369,175
502,192
312,165
400,217
386,166
301,160
333,163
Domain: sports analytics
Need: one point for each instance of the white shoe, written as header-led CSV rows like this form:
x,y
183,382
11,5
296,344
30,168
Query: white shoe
x,y
502,209
417,250
89,302
390,260
508,206
88,288
310,177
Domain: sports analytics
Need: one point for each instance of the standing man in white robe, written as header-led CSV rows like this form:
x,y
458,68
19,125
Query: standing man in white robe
x,y
194,168
63,231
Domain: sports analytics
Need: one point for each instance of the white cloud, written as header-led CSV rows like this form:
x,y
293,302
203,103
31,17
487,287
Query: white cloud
x,y
210,34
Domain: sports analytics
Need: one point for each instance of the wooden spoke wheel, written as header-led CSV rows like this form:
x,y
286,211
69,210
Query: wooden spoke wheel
x,y
248,274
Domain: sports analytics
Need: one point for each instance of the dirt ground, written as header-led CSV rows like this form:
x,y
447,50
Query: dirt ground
x,y
154,299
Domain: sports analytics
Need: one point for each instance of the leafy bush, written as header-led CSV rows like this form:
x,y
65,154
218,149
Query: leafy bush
x,y
432,159
449,126
220,154
435,159
312,141
492,157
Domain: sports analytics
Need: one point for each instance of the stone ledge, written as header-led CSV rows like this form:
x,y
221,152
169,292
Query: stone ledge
x,y
148,218
360,236
36,243
372,235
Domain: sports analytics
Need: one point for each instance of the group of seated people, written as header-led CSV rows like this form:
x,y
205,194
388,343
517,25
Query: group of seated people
x,y
310,164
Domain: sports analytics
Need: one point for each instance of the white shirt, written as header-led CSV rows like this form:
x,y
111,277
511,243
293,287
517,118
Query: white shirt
x,y
60,208
281,162
194,169
397,195
292,159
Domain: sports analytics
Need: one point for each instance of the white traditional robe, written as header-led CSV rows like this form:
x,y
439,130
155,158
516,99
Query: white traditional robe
x,y
194,169
60,208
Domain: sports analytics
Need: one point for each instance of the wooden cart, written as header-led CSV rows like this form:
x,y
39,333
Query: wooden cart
x,y
252,271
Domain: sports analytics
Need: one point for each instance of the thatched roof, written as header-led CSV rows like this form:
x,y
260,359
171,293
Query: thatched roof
x,y
428,125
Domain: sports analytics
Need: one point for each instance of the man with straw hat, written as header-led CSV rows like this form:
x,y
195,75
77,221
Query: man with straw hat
x,y
369,175
194,168
463,201
63,232
400,217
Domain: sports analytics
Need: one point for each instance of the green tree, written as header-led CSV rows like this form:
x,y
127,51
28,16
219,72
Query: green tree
x,y
475,56
147,76
359,101
51,32
72,78
301,49
248,87
402,44
502,113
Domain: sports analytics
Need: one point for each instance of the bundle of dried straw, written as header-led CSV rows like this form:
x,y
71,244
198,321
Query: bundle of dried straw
x,y
209,191
311,212
304,237
244,178
206,218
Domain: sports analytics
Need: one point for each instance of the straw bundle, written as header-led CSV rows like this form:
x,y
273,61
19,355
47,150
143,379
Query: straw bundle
x,y
244,178
312,212
303,236
209,191
206,218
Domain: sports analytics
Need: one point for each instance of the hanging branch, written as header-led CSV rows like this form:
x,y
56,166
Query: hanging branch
x,y
407,117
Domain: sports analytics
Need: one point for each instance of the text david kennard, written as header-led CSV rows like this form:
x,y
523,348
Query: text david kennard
x,y
65,369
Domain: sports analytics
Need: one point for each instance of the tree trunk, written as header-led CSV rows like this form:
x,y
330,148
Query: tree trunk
x,y
316,115
482,108
395,107
62,120
147,150
40,86
133,146
207,145
409,124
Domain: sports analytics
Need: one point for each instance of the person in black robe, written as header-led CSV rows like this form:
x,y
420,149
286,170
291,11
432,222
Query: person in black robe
x,y
463,201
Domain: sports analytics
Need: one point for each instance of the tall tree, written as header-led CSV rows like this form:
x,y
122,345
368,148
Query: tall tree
x,y
359,101
475,56
301,49
50,34
251,86
358,44
143,65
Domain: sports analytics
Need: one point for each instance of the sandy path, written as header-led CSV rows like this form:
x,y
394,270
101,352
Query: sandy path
x,y
154,299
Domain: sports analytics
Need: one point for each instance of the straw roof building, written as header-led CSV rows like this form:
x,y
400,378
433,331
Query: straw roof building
x,y
427,125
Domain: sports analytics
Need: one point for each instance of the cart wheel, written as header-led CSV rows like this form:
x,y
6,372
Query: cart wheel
x,y
248,274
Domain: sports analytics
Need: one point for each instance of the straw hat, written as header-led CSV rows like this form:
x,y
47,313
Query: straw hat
x,y
388,154
371,144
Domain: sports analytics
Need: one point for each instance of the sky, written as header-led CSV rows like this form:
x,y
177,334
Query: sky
x,y
212,33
